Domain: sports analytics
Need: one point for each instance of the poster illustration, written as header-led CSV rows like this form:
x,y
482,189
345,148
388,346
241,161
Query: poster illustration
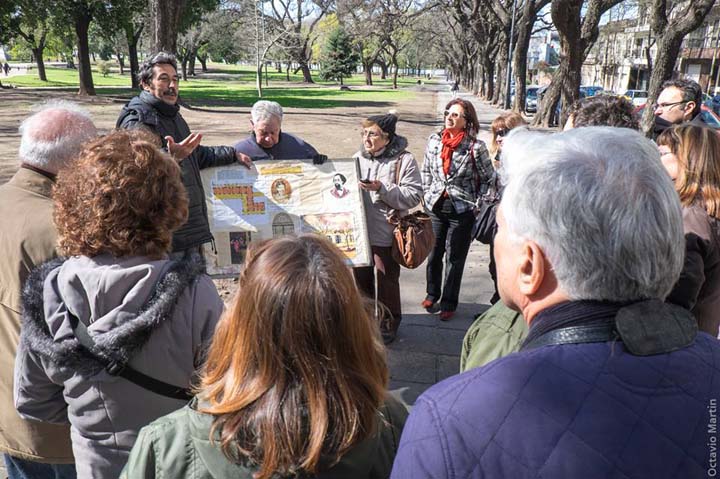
x,y
278,198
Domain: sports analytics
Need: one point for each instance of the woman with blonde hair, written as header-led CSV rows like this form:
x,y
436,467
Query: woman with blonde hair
x,y
295,381
113,333
691,156
499,128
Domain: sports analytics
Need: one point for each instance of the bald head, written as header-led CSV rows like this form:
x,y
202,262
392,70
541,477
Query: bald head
x,y
53,136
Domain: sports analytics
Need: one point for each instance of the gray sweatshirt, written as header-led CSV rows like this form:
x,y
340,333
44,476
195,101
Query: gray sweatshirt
x,y
396,194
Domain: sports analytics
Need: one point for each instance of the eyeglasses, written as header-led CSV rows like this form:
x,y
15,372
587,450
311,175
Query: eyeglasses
x,y
453,114
657,106
370,134
501,133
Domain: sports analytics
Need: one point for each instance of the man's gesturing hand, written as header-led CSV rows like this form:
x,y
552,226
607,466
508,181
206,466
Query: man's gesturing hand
x,y
182,150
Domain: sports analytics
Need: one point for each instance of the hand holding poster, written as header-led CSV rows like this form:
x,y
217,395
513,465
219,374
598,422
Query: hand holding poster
x,y
277,198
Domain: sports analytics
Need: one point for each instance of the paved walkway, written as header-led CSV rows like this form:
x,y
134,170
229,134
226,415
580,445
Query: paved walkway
x,y
427,350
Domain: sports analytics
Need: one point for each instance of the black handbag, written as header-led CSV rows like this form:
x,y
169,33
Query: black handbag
x,y
485,225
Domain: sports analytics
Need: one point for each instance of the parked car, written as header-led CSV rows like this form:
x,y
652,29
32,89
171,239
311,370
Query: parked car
x,y
637,97
709,117
591,90
531,99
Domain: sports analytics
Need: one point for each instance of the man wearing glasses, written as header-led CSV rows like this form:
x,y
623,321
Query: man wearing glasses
x,y
679,102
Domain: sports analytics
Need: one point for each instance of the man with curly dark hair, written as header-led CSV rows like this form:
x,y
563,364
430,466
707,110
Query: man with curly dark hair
x,y
155,109
113,333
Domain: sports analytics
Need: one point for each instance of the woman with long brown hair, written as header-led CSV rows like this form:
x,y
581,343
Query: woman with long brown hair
x,y
455,173
295,380
691,155
499,128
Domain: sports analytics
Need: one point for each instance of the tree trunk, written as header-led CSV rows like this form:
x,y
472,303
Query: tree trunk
x,y
522,46
38,54
166,15
490,79
203,62
82,24
191,63
383,70
307,77
395,66
121,62
183,66
501,68
668,49
367,68
546,107
132,40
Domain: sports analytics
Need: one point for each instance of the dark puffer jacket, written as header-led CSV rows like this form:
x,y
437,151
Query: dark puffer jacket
x,y
146,111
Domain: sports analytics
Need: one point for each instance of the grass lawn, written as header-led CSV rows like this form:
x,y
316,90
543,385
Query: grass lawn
x,y
234,85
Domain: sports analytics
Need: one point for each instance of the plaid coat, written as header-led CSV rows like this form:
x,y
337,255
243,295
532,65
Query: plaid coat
x,y
465,183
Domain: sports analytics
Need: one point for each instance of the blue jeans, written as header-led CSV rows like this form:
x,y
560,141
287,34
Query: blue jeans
x,y
452,242
21,469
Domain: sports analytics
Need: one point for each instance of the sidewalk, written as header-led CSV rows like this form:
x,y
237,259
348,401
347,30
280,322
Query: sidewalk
x,y
427,350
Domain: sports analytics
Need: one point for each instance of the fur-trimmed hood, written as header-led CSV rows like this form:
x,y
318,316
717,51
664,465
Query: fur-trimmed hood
x,y
121,300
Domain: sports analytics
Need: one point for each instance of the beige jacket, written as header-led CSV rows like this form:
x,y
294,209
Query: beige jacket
x,y
27,239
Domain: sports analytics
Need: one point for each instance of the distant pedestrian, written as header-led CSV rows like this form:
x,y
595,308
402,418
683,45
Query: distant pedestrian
x,y
455,89
6,68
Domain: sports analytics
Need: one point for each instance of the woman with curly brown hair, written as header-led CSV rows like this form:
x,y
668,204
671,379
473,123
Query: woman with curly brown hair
x,y
113,332
295,381
691,156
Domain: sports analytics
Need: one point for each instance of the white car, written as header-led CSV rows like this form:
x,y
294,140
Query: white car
x,y
637,97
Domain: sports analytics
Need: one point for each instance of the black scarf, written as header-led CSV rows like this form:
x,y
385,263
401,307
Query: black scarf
x,y
160,106
572,313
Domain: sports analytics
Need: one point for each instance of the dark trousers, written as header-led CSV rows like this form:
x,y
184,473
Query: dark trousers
x,y
21,469
452,242
388,283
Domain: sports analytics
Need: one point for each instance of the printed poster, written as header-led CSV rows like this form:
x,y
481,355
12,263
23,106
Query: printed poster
x,y
277,198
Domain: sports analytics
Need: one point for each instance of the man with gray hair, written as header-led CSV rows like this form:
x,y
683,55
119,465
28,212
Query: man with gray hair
x,y
267,140
157,111
51,139
610,381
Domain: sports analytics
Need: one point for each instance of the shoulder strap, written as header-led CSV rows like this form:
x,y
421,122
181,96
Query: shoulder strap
x,y
600,333
115,368
476,173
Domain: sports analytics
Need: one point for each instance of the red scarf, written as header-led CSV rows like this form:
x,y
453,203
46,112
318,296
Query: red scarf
x,y
448,146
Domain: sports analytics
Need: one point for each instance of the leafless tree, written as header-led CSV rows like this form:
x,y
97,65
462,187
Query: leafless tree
x,y
577,24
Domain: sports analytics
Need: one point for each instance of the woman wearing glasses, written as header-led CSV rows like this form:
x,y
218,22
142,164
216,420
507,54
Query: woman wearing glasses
x,y
500,127
691,156
390,182
455,173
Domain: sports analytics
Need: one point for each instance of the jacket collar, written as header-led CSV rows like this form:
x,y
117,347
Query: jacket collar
x,y
163,108
33,179
571,313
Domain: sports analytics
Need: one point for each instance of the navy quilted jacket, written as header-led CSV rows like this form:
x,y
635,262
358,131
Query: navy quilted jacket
x,y
570,411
